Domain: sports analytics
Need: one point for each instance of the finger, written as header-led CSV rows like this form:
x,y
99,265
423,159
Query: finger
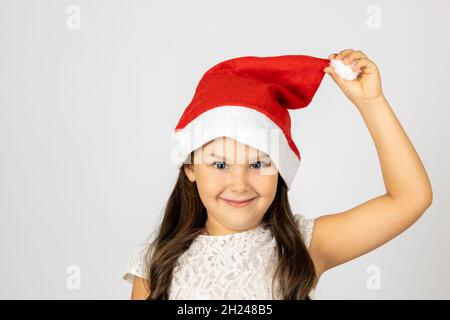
x,y
331,56
343,53
349,58
361,53
361,63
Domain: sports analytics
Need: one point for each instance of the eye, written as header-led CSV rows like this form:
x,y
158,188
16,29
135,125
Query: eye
x,y
261,164
220,163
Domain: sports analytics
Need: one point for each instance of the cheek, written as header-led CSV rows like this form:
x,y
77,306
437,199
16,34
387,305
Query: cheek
x,y
210,187
265,185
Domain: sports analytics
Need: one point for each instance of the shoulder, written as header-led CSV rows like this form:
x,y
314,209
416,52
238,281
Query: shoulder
x,y
306,226
137,263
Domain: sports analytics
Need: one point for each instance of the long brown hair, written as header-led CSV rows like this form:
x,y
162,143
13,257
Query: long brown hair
x,y
184,219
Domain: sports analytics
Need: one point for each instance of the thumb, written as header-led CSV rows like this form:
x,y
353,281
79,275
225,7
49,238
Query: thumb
x,y
339,81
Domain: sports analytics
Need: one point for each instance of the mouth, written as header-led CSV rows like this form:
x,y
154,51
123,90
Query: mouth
x,y
238,204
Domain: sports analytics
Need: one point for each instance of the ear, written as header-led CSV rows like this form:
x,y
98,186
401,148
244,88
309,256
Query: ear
x,y
189,170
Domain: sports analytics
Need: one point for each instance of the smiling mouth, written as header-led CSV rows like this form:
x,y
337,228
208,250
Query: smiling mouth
x,y
238,204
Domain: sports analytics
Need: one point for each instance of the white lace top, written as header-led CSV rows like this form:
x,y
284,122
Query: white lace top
x,y
236,266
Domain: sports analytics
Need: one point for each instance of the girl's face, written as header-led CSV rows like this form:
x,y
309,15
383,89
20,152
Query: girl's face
x,y
225,169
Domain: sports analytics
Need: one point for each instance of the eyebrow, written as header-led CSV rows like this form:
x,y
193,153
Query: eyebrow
x,y
260,156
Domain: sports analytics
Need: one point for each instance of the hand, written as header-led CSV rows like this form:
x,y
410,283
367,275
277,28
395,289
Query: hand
x,y
366,88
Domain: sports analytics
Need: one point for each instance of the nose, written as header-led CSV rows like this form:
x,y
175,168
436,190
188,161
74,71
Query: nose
x,y
239,178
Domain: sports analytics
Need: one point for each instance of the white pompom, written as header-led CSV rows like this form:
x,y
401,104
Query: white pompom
x,y
344,70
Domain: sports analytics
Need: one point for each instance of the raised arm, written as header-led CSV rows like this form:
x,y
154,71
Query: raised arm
x,y
340,237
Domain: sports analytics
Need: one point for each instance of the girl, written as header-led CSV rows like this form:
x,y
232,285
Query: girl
x,y
228,231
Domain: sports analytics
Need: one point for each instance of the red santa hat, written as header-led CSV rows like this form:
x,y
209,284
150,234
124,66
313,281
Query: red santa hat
x,y
247,99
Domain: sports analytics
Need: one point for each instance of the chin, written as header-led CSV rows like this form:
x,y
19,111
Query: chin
x,y
241,222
